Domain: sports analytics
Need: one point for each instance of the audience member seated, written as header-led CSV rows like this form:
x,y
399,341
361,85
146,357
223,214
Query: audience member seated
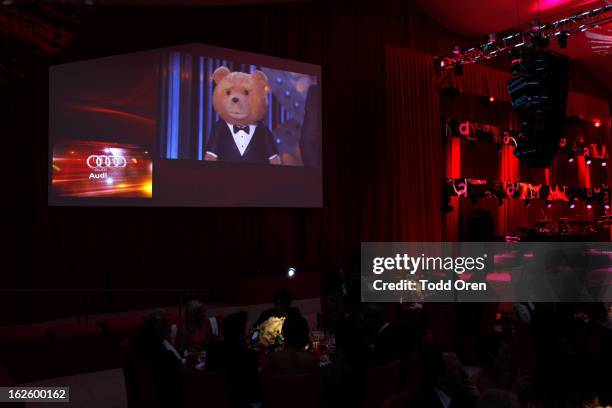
x,y
597,326
293,358
151,349
388,342
232,356
193,336
497,369
446,382
349,363
282,307
498,399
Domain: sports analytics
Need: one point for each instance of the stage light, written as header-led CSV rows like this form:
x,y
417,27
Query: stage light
x,y
570,159
597,123
527,202
540,42
604,163
487,100
548,204
562,38
572,205
589,205
291,272
587,160
607,206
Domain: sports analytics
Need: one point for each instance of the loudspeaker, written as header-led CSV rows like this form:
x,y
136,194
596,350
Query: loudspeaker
x,y
538,91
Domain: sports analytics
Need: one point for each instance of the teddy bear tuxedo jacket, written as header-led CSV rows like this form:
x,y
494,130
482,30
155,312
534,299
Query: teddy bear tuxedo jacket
x,y
260,149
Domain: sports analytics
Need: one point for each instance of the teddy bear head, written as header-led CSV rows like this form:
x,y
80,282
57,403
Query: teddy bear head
x,y
239,98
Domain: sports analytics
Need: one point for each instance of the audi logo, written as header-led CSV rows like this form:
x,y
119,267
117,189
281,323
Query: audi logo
x,y
106,162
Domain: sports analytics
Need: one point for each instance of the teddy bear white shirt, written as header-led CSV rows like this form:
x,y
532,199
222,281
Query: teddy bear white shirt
x,y
242,138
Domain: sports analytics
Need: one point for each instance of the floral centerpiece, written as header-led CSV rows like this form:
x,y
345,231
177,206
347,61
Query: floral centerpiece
x,y
271,332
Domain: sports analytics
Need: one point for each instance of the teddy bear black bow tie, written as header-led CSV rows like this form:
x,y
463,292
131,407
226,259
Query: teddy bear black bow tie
x,y
239,128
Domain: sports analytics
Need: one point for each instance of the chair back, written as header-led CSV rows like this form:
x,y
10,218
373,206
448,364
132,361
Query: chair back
x,y
139,381
382,382
204,389
292,390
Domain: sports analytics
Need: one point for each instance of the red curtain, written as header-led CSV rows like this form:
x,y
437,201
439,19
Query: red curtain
x,y
415,159
414,116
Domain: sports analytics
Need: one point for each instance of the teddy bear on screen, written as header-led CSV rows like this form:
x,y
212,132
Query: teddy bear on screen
x,y
241,100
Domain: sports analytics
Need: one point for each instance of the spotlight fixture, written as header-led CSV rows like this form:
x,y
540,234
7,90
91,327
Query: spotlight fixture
x,y
537,36
604,163
607,206
572,204
548,204
540,42
587,160
487,100
570,159
291,272
589,205
562,38
597,123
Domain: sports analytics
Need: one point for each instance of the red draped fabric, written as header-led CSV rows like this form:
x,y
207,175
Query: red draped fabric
x,y
487,81
414,116
415,147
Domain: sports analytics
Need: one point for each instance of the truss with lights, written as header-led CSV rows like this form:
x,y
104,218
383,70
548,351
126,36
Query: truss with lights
x,y
497,46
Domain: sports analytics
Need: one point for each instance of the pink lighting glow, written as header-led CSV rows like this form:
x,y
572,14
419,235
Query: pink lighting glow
x,y
499,277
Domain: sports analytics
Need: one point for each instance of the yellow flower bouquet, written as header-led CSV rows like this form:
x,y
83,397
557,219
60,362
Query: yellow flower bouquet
x,y
271,332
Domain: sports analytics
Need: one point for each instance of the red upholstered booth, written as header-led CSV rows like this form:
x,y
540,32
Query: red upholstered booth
x,y
120,327
20,349
30,353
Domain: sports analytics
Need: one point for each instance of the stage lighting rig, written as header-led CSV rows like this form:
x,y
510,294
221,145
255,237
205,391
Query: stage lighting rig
x,y
538,36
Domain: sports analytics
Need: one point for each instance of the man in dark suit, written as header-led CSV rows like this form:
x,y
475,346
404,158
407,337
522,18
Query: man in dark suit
x,y
282,308
388,342
241,144
447,384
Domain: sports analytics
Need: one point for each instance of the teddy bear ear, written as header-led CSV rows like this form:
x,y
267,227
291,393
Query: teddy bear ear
x,y
260,76
220,73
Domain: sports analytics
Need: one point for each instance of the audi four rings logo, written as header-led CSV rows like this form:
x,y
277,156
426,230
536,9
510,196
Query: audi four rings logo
x,y
96,161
